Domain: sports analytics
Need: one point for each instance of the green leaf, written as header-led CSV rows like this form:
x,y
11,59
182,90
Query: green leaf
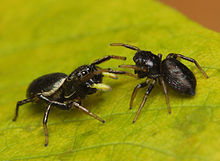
x,y
45,36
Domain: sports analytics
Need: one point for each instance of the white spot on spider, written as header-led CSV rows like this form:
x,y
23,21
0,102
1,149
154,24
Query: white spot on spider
x,y
149,63
56,86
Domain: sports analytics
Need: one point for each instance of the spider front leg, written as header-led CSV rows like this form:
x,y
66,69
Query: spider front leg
x,y
135,67
126,45
122,72
106,58
104,72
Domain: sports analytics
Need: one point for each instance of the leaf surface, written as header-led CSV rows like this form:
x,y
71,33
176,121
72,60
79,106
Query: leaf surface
x,y
45,36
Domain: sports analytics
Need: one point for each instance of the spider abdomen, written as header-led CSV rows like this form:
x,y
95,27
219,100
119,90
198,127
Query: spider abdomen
x,y
47,84
178,76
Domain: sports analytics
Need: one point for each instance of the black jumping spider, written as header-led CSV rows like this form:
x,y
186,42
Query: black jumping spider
x,y
66,92
169,71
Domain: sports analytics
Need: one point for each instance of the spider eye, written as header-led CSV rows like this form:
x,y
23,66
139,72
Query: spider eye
x,y
84,73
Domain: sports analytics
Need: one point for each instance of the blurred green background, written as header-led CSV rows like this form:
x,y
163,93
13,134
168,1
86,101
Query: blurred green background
x,y
44,36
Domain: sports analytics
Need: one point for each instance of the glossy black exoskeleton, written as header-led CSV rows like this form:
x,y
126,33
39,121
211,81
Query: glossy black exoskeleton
x,y
66,91
169,71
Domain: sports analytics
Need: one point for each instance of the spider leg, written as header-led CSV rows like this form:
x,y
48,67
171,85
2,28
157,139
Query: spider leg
x,y
188,59
132,67
45,123
86,111
126,45
160,56
122,72
151,86
108,70
64,107
19,103
141,85
106,58
166,95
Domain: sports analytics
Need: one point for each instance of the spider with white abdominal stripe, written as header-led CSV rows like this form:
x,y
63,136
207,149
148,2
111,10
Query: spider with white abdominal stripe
x,y
66,91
